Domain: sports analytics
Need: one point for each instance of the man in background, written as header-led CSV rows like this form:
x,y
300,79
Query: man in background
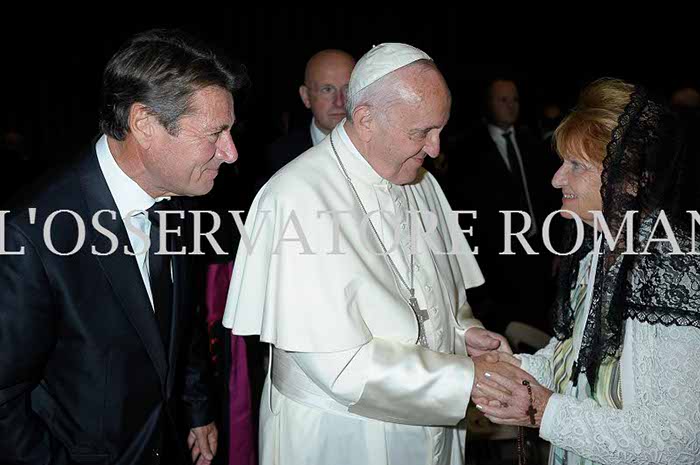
x,y
324,92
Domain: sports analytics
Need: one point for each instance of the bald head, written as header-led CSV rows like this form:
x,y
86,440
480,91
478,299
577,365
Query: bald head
x,y
328,60
325,87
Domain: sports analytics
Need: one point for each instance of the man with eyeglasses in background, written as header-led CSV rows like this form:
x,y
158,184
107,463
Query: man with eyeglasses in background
x,y
324,93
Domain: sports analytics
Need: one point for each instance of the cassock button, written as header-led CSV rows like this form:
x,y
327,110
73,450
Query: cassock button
x,y
403,225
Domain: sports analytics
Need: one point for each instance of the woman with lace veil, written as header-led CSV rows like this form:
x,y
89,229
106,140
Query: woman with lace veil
x,y
620,381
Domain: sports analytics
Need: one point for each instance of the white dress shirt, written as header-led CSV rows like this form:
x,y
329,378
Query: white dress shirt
x,y
316,134
132,202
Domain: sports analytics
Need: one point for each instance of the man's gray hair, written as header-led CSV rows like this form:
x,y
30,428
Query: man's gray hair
x,y
386,91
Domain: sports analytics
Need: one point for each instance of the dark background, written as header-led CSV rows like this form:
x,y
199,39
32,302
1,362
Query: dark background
x,y
53,59
53,56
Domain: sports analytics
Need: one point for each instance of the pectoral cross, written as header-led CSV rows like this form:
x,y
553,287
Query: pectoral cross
x,y
422,316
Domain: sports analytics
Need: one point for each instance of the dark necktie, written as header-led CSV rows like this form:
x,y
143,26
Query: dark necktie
x,y
515,170
159,273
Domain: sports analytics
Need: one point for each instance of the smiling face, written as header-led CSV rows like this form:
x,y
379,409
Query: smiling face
x,y
580,181
187,163
410,128
582,140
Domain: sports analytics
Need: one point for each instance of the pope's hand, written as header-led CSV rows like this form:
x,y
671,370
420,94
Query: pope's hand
x,y
480,341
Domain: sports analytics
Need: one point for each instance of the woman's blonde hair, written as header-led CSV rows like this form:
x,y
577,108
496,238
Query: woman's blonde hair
x,y
587,130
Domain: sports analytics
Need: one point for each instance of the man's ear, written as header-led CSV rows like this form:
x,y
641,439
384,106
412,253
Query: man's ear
x,y
363,122
142,124
304,94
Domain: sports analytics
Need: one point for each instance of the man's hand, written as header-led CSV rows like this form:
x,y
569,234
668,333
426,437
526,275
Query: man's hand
x,y
480,341
202,443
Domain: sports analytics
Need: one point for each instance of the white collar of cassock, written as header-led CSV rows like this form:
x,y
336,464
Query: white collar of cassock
x,y
358,167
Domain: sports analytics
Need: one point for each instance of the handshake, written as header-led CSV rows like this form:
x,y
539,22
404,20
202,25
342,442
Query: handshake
x,y
506,394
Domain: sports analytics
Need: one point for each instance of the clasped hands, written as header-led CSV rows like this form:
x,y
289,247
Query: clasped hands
x,y
500,388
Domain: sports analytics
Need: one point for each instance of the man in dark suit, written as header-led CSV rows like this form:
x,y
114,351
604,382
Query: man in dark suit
x,y
99,342
324,93
497,166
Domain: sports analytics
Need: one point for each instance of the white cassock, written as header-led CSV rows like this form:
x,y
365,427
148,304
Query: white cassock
x,y
348,383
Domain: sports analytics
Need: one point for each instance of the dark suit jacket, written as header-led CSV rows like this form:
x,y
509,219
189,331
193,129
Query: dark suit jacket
x,y
281,152
479,180
84,375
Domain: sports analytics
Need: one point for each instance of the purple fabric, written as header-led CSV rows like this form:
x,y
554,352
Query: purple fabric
x,y
242,450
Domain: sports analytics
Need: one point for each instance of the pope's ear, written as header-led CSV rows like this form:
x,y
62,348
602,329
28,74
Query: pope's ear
x,y
363,122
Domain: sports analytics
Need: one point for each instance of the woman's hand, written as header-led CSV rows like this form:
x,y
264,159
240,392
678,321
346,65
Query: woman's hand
x,y
504,398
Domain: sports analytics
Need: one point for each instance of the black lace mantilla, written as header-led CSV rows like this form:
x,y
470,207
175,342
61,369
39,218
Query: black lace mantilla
x,y
645,170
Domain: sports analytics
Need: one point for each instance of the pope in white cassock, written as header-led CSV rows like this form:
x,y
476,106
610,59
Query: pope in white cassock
x,y
368,321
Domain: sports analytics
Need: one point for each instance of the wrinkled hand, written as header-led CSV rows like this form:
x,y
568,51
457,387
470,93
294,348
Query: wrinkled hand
x,y
492,362
504,399
202,442
508,358
480,341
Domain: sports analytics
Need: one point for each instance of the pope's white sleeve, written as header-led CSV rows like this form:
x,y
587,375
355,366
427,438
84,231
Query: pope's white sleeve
x,y
395,382
466,321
